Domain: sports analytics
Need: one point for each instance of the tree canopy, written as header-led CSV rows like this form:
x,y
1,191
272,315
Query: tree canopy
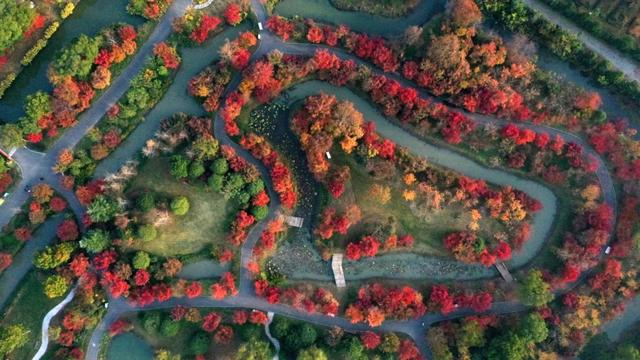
x,y
15,17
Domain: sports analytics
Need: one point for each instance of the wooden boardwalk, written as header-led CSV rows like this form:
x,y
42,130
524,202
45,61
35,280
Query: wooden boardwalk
x,y
338,273
293,221
504,272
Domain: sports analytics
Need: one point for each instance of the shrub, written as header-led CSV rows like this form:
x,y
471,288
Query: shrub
x,y
55,286
147,232
141,260
215,182
146,202
67,10
259,212
179,167
94,241
170,328
151,321
196,169
180,205
220,166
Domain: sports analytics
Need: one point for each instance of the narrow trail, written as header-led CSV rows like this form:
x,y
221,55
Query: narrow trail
x,y
44,343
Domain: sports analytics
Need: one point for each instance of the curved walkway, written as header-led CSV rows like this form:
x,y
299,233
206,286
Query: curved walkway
x,y
267,331
47,320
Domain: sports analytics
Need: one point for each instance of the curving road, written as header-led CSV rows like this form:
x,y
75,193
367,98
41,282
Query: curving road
x,y
38,165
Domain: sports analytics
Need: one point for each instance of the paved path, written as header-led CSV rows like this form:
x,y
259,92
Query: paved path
x,y
267,331
44,343
615,57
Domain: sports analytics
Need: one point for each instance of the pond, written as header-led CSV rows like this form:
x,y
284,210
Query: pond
x,y
88,18
129,346
323,11
411,265
203,269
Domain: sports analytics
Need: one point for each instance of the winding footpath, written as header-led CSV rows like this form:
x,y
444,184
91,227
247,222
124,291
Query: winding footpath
x,y
38,165
47,321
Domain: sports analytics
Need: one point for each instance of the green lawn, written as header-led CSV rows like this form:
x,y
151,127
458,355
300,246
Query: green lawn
x,y
28,308
428,231
203,225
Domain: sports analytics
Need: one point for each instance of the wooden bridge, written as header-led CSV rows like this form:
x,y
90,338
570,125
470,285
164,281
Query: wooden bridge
x,y
292,220
504,272
338,274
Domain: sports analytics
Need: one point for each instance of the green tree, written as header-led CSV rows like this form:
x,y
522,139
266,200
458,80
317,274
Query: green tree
x,y
95,240
76,60
220,166
508,346
151,321
280,327
102,209
233,185
312,353
199,343
15,17
533,328
196,169
179,167
254,349
205,147
250,331
301,336
169,327
147,232
534,291
146,201
37,105
141,260
471,335
11,136
55,286
215,182
597,348
54,256
627,352
390,343
180,205
255,187
352,349
259,212
12,338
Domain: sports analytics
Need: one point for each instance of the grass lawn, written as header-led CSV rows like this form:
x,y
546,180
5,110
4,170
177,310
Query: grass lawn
x,y
28,308
203,225
428,231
